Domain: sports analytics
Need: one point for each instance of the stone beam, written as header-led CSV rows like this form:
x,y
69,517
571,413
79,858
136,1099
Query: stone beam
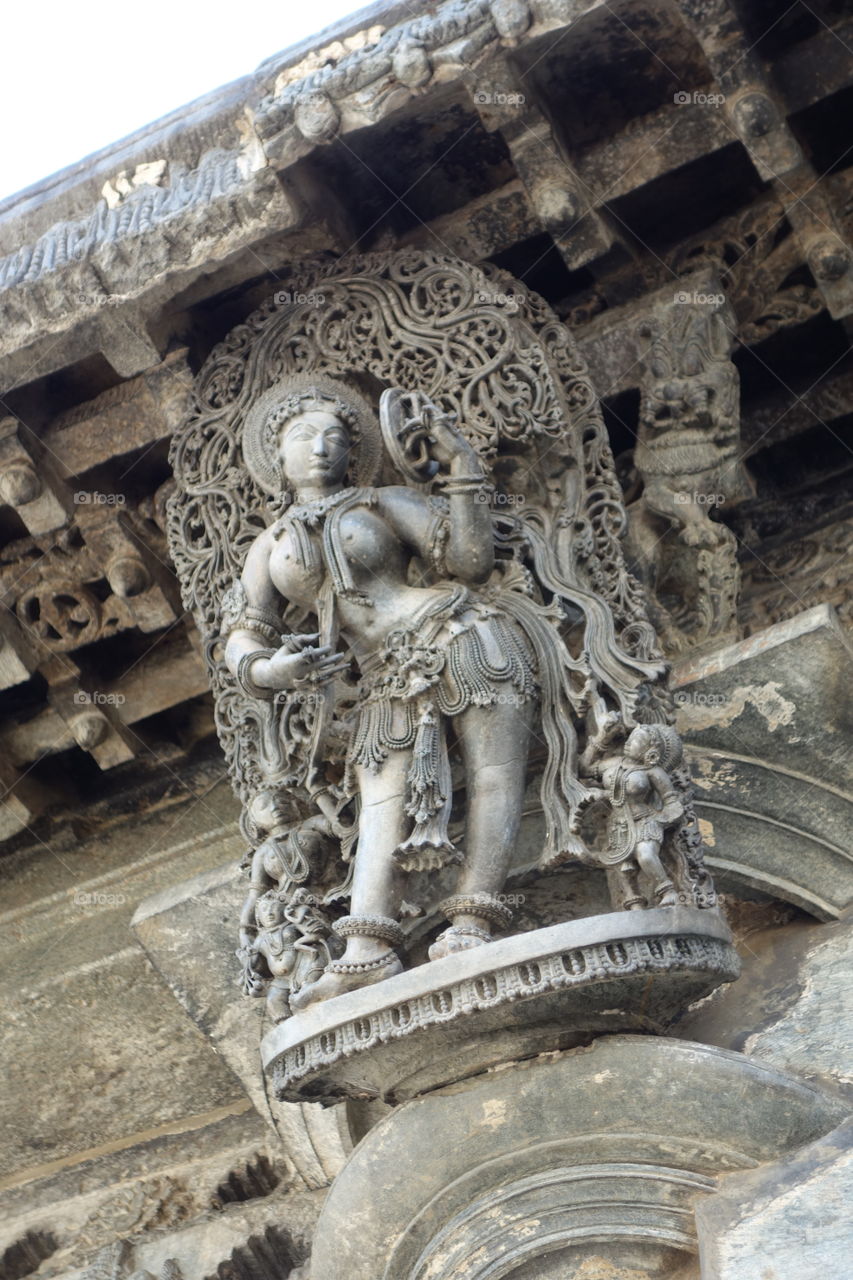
x,y
28,482
486,226
556,194
94,283
90,716
166,676
134,415
757,117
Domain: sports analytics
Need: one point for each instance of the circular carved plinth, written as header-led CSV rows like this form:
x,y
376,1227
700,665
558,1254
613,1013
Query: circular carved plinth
x,y
550,989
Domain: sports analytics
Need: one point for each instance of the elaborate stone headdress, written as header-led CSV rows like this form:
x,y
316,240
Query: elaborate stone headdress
x,y
666,743
302,393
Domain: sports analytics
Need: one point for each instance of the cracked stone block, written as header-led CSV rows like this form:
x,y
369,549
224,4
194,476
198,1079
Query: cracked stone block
x,y
790,1005
788,1221
767,724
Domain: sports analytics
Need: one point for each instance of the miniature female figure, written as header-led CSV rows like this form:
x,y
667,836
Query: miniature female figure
x,y
288,950
642,803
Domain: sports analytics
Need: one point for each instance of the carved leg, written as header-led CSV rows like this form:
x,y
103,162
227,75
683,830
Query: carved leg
x,y
632,899
663,889
376,891
278,999
680,506
494,742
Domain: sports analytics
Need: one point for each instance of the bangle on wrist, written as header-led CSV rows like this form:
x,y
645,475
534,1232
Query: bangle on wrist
x,y
466,484
243,675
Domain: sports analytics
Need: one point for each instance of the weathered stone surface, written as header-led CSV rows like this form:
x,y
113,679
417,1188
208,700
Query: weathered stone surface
x,y
261,1237
791,1007
189,933
767,723
617,1140
117,255
135,414
789,1221
82,997
155,1181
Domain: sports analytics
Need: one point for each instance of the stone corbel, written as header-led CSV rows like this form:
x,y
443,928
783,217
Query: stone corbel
x,y
511,18
556,193
751,106
18,660
126,343
90,714
824,245
28,483
22,799
144,584
759,120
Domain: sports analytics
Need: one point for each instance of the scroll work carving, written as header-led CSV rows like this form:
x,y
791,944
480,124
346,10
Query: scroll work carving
x,y
504,390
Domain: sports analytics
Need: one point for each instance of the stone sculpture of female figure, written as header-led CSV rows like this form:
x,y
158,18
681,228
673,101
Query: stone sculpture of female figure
x,y
642,803
398,582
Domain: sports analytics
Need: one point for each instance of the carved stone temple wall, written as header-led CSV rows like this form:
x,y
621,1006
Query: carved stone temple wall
x,y
602,253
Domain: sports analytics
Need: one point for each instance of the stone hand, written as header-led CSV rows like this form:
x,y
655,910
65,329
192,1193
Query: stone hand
x,y
446,440
313,664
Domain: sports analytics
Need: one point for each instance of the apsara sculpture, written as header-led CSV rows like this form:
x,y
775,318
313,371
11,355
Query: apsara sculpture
x,y
398,526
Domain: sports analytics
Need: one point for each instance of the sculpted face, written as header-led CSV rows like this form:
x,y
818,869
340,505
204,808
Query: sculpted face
x,y
268,912
314,450
639,744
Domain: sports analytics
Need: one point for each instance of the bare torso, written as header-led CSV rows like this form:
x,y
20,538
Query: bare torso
x,y
379,563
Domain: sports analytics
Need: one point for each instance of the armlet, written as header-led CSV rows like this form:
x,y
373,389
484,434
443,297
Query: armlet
x,y
238,614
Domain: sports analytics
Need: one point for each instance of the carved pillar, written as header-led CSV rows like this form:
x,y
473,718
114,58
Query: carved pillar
x,y
688,456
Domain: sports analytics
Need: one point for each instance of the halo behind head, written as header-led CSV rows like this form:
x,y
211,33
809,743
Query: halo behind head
x,y
300,393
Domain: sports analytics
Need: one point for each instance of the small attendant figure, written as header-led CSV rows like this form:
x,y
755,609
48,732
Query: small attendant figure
x,y
288,950
642,802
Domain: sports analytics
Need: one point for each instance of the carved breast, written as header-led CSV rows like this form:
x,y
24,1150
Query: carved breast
x,y
297,577
369,546
366,542
637,784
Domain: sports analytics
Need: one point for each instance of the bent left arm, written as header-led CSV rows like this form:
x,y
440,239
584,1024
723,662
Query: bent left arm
x,y
437,536
672,808
470,554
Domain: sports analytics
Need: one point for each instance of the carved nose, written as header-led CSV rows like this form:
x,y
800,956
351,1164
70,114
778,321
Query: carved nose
x,y
320,448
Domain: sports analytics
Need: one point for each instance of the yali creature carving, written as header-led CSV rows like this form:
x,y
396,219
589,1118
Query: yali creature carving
x,y
400,642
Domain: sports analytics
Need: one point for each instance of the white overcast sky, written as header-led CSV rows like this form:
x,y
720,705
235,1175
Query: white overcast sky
x,y
77,77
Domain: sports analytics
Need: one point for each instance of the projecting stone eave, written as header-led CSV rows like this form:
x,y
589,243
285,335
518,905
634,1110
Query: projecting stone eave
x,y
90,255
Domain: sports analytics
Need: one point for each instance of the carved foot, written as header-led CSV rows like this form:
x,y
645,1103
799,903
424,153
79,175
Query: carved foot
x,y
665,895
278,1002
458,939
342,976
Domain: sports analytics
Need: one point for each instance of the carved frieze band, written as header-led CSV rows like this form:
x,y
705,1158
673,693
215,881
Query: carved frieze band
x,y
584,965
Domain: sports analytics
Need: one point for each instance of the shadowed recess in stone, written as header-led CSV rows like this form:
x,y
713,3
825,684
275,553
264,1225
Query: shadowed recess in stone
x,y
272,1255
26,1255
257,1178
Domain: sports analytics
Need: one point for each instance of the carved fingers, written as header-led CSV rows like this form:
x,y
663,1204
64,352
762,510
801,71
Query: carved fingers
x,y
318,664
310,665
